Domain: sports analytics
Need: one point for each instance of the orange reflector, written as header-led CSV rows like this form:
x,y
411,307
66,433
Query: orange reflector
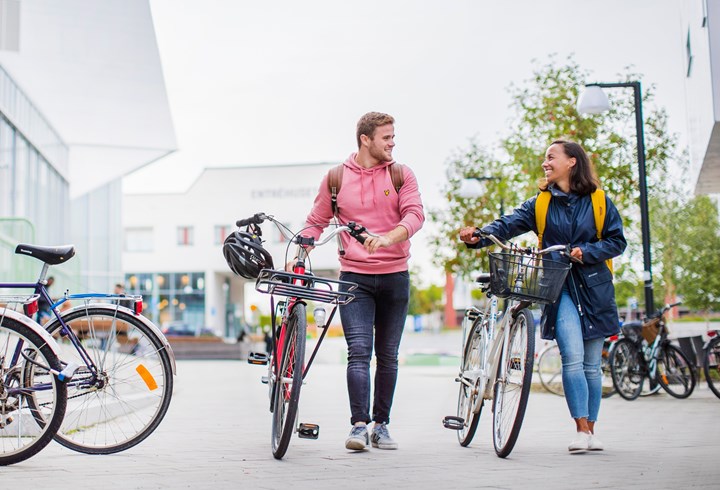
x,y
147,377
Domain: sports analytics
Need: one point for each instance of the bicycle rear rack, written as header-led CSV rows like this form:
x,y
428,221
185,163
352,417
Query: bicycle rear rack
x,y
310,287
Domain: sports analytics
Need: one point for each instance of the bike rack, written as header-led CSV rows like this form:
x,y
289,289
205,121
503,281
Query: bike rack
x,y
304,286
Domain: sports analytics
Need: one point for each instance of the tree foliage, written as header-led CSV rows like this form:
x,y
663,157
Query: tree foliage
x,y
543,109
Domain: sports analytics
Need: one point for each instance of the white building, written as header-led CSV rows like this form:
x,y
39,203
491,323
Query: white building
x,y
82,103
173,242
701,38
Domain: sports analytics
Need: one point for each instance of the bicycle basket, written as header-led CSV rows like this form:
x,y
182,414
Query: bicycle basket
x,y
650,330
526,277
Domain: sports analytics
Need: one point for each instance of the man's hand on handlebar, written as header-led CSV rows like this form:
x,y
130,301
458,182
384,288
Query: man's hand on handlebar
x,y
373,243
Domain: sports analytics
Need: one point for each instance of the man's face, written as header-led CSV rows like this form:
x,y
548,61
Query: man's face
x,y
382,143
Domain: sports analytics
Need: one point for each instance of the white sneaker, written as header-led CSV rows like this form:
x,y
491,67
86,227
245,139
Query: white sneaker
x,y
594,444
580,443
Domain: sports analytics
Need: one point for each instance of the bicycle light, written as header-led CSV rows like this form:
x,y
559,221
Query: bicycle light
x,y
31,308
320,316
138,307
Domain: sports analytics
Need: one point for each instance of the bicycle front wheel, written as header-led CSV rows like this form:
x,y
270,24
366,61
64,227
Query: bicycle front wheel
x,y
674,372
27,428
288,377
513,383
711,366
626,369
469,397
549,369
124,402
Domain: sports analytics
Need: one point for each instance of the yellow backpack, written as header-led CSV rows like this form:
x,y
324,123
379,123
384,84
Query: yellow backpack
x,y
598,203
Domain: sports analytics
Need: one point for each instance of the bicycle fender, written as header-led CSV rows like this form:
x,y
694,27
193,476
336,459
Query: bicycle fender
x,y
112,308
35,327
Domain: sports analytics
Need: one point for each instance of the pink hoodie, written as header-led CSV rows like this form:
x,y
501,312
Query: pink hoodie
x,y
367,197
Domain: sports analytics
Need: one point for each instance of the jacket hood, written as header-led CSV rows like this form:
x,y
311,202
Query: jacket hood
x,y
353,165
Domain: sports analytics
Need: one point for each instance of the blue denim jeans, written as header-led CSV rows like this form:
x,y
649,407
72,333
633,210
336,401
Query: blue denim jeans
x,y
581,360
379,308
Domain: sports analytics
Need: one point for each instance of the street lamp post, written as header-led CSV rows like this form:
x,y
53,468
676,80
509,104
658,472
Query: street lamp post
x,y
594,101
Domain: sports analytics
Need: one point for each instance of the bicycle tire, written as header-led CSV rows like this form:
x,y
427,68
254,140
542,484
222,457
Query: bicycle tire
x,y
674,372
468,395
549,367
711,366
512,392
24,433
608,388
132,393
626,368
288,381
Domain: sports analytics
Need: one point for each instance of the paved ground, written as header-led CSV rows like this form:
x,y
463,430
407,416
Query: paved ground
x,y
217,435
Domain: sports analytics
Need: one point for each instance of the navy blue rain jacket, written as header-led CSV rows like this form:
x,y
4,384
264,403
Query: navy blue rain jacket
x,y
570,220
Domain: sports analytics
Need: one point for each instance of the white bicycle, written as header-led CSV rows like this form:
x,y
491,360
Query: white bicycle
x,y
499,346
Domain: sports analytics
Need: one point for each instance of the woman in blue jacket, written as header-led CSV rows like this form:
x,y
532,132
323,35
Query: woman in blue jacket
x,y
586,312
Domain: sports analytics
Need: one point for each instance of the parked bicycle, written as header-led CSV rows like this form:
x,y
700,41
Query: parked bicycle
x,y
499,346
645,352
123,382
33,395
549,368
711,362
286,363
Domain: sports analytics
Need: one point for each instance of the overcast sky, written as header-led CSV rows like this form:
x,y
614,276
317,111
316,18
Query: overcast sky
x,y
285,81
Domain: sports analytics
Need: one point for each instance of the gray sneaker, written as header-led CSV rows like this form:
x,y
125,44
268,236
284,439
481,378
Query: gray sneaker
x,y
358,438
381,438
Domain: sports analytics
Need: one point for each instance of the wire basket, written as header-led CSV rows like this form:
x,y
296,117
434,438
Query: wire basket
x,y
526,277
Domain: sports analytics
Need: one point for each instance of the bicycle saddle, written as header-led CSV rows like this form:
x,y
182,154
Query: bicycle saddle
x,y
49,255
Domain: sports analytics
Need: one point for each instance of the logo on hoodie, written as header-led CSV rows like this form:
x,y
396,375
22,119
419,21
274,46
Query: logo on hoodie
x,y
387,192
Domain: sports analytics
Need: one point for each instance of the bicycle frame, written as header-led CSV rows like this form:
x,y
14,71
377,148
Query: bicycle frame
x,y
65,331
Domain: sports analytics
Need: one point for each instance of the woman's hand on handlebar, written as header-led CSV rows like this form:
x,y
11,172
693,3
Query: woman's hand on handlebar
x,y
467,235
576,254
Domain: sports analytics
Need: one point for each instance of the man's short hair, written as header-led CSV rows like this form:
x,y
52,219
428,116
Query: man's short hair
x,y
371,121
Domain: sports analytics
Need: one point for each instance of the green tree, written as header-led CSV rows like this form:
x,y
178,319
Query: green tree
x,y
424,301
544,109
698,243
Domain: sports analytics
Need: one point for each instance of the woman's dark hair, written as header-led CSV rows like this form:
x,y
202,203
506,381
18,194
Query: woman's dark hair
x,y
583,179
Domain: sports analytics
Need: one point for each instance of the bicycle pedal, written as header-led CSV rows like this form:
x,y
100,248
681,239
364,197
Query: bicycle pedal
x,y
309,431
264,380
453,423
258,358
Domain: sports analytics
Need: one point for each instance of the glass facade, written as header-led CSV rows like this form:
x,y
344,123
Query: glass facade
x,y
34,194
170,296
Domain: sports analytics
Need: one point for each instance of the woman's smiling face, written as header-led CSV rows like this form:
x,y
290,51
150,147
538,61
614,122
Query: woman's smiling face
x,y
557,165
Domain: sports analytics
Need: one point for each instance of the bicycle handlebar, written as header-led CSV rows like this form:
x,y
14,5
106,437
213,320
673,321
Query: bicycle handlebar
x,y
564,249
353,229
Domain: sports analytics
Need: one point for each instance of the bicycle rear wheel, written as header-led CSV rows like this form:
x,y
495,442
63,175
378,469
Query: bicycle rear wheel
x,y
125,402
513,384
626,369
674,372
469,397
608,388
26,428
288,379
711,366
549,369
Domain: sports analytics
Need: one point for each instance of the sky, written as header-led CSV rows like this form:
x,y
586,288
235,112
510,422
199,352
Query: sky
x,y
277,82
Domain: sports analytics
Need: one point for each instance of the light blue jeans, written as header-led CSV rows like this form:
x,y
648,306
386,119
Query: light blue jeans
x,y
581,360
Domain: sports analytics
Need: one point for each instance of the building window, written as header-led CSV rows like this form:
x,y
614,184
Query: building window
x,y
139,240
221,233
688,53
185,235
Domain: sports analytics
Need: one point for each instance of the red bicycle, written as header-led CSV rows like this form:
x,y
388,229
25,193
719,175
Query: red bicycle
x,y
286,362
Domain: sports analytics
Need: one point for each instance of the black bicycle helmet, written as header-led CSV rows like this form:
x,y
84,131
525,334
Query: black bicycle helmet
x,y
245,254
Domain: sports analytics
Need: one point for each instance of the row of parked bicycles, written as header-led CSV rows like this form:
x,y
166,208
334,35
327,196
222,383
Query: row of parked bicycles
x,y
641,360
97,378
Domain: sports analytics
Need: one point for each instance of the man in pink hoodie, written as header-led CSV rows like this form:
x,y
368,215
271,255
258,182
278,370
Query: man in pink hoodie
x,y
380,268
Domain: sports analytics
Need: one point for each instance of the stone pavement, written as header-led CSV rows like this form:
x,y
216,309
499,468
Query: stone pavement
x,y
217,435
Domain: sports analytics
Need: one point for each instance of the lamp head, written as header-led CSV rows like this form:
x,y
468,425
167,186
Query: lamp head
x,y
593,101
